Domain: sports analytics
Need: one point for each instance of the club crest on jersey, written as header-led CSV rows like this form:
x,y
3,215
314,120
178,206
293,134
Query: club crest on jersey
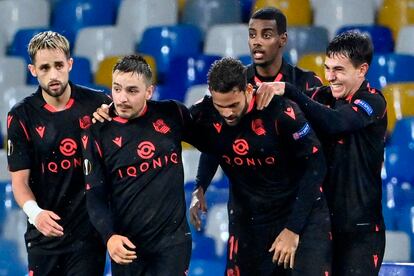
x,y
40,130
85,122
302,132
160,126
364,105
258,128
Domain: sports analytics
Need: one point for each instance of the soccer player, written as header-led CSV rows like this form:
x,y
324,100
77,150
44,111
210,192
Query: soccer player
x,y
267,39
134,176
44,157
350,117
276,167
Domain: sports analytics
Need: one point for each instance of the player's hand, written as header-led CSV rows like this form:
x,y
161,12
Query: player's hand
x,y
284,248
102,113
266,91
46,223
119,248
198,204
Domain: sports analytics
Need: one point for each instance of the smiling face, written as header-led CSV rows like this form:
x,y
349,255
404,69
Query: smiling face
x,y
344,78
266,45
130,93
51,68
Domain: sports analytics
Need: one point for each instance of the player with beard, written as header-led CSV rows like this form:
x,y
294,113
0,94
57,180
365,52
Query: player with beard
x,y
267,39
275,165
45,160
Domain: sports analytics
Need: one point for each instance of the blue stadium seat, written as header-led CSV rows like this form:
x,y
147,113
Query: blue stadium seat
x,y
390,68
9,261
70,16
400,269
245,59
403,133
246,9
165,43
81,72
381,36
188,71
206,267
203,247
21,40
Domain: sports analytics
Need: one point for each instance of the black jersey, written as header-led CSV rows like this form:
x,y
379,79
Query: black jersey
x,y
300,78
272,158
48,142
353,133
137,165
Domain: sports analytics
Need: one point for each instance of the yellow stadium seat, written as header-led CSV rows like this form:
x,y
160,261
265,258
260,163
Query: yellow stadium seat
x,y
181,4
103,74
298,12
314,62
396,14
400,102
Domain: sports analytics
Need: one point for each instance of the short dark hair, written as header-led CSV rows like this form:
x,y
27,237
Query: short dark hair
x,y
271,13
134,64
226,74
355,45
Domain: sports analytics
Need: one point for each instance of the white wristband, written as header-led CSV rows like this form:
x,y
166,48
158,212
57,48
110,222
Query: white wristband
x,y
31,209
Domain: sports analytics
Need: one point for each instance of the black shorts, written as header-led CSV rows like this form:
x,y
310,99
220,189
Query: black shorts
x,y
248,248
358,253
86,261
173,260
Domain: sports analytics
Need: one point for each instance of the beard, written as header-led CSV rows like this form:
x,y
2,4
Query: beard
x,y
55,93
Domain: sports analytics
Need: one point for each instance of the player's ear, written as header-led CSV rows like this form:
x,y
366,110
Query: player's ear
x,y
149,92
32,70
249,89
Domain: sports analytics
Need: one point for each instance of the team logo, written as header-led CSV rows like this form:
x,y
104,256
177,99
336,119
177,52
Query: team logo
x,y
87,167
117,141
40,130
85,122
161,126
68,147
240,146
85,141
302,132
364,105
290,112
258,128
217,126
146,150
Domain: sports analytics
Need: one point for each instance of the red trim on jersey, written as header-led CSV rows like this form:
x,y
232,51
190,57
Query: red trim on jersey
x,y
120,120
25,130
50,108
277,78
314,93
251,104
9,119
99,149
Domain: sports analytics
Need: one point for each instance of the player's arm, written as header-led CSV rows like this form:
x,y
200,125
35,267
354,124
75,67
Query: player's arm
x,y
350,116
20,161
120,248
305,147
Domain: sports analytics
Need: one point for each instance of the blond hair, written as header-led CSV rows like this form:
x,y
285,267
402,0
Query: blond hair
x,y
48,40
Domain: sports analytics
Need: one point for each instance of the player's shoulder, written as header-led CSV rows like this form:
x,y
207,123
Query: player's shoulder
x,y
90,95
24,105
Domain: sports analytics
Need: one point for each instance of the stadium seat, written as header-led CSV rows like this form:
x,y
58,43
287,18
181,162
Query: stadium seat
x,y
228,40
333,14
165,43
96,43
3,44
81,72
9,97
246,9
12,71
217,224
390,68
9,261
298,12
381,36
138,15
203,247
400,102
400,269
405,40
395,14
305,40
21,40
69,17
403,132
314,62
206,14
195,93
188,71
397,247
19,14
245,59
200,267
